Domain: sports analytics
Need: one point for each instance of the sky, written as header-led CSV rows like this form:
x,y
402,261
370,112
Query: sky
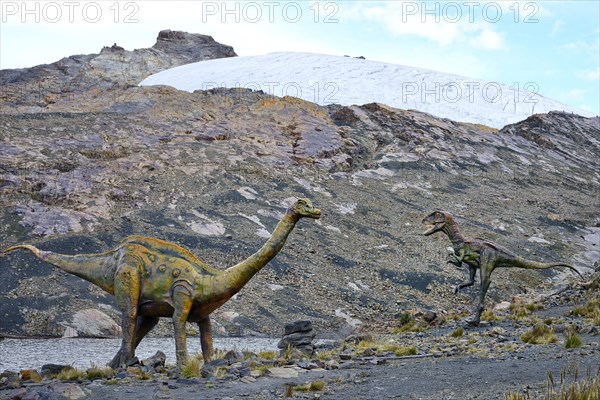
x,y
547,47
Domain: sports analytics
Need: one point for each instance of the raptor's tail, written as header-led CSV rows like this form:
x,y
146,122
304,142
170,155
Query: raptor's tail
x,y
523,263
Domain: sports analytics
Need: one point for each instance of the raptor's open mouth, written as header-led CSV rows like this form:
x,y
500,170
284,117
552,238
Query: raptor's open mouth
x,y
431,229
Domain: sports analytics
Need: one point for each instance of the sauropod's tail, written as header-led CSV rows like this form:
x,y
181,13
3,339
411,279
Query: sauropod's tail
x,y
94,268
566,266
37,252
527,264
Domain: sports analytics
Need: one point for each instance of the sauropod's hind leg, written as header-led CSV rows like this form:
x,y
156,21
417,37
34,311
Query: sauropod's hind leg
x,y
206,339
127,294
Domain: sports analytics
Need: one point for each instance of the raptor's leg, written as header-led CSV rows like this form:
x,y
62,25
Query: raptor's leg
x,y
471,282
206,339
127,294
485,285
182,304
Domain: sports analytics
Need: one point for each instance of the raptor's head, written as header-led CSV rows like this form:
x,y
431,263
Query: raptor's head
x,y
437,220
304,208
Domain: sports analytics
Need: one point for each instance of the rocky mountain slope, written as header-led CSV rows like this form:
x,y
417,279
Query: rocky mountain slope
x,y
214,171
102,75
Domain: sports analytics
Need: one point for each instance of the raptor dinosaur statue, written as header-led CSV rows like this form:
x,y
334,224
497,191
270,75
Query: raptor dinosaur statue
x,y
478,254
152,278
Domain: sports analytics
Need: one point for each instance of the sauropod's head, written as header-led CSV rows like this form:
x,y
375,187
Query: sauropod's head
x,y
305,208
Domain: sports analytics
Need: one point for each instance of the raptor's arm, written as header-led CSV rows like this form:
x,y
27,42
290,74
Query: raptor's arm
x,y
456,259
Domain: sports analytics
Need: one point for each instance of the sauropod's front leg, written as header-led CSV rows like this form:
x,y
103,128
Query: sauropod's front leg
x,y
206,339
182,303
470,282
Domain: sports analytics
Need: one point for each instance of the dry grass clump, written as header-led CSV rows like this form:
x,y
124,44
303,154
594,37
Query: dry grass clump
x,y
96,372
539,334
381,346
590,310
570,387
572,340
191,369
267,355
488,315
458,332
70,374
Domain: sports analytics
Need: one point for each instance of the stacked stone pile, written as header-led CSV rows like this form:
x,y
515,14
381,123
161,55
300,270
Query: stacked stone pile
x,y
298,337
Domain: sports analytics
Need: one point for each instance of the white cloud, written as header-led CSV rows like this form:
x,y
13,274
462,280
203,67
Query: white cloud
x,y
582,47
428,21
558,24
589,74
574,95
489,40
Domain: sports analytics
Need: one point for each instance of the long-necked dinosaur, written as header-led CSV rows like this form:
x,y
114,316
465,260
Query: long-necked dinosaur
x,y
478,254
151,278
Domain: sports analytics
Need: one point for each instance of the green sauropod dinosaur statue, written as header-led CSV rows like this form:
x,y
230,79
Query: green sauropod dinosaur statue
x,y
478,254
151,278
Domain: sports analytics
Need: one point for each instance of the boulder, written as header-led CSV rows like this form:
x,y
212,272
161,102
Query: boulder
x,y
502,306
53,369
10,380
30,374
94,323
157,360
298,326
296,339
279,372
68,391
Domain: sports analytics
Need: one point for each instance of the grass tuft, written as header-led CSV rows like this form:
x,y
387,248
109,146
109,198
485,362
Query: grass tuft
x,y
488,315
267,355
70,374
380,346
315,386
458,332
191,369
96,372
576,389
572,340
539,334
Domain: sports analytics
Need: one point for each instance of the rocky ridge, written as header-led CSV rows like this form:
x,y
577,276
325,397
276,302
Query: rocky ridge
x,y
214,171
101,76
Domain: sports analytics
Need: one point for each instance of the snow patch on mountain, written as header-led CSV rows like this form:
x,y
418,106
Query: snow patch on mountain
x,y
326,79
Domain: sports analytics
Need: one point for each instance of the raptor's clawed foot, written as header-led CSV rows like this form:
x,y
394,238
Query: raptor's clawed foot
x,y
473,322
